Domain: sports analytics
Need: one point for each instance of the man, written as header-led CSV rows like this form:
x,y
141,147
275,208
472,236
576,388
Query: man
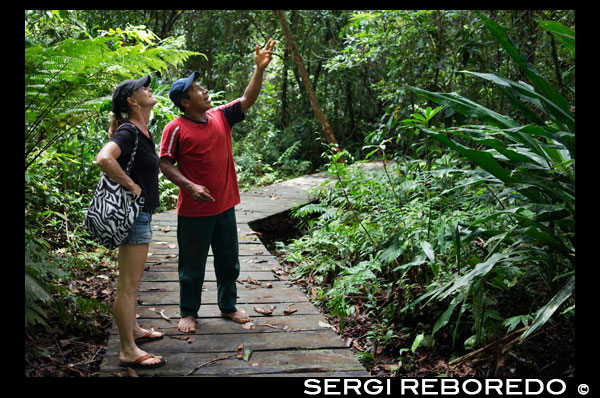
x,y
199,141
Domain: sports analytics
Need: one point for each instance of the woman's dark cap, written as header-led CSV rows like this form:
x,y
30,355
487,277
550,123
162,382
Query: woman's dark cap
x,y
124,91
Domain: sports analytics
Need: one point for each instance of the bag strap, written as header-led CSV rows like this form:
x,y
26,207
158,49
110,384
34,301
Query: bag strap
x,y
135,146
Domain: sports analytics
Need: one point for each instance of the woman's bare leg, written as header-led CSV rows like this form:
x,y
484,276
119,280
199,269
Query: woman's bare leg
x,y
132,259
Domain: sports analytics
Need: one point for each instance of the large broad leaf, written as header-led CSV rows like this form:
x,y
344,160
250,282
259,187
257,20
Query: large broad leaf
x,y
488,137
35,290
522,134
560,109
467,279
563,34
483,159
467,107
546,311
525,91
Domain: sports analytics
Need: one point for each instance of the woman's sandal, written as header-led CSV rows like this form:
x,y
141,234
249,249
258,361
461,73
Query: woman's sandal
x,y
139,365
147,337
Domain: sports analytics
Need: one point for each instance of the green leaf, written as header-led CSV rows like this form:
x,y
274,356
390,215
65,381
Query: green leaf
x,y
417,342
483,159
563,34
546,311
467,107
541,85
426,246
513,322
247,354
443,320
393,251
525,91
35,290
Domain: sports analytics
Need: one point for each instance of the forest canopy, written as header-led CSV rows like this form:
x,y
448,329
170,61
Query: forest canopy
x,y
468,234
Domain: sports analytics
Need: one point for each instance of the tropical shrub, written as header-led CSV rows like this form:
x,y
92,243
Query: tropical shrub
x,y
532,169
479,239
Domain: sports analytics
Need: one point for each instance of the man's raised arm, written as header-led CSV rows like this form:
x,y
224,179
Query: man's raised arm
x,y
262,60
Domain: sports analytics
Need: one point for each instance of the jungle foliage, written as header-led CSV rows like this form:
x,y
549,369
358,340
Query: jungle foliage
x,y
476,235
467,234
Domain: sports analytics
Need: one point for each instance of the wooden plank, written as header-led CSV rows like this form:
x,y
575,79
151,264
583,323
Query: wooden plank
x,y
247,247
247,263
229,342
303,320
297,344
245,296
211,286
211,310
172,276
268,363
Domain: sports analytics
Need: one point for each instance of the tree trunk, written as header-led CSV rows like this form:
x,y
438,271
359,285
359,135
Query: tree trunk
x,y
309,89
284,79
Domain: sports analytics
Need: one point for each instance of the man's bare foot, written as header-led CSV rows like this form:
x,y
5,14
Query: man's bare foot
x,y
238,316
187,324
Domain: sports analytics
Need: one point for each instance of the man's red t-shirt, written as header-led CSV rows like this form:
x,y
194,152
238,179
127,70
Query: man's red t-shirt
x,y
202,151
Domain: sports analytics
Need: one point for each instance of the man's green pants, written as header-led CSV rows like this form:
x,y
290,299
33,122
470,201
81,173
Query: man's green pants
x,y
195,235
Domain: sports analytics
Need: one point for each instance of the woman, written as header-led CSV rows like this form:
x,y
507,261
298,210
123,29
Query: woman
x,y
133,98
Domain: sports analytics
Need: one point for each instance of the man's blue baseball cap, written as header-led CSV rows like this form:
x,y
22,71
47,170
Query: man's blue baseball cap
x,y
180,86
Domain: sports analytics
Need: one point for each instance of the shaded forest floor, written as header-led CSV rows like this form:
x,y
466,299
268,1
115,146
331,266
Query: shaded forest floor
x,y
78,352
548,353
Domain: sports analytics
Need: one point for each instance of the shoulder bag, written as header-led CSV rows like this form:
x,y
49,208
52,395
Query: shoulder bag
x,y
113,210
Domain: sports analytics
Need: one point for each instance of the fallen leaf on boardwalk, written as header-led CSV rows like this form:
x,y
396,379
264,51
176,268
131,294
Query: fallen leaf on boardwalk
x,y
189,339
164,229
132,373
269,285
253,281
248,325
265,311
274,196
326,325
289,312
255,364
240,351
247,354
172,246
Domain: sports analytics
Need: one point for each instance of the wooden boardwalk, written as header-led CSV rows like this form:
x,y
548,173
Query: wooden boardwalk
x,y
298,344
